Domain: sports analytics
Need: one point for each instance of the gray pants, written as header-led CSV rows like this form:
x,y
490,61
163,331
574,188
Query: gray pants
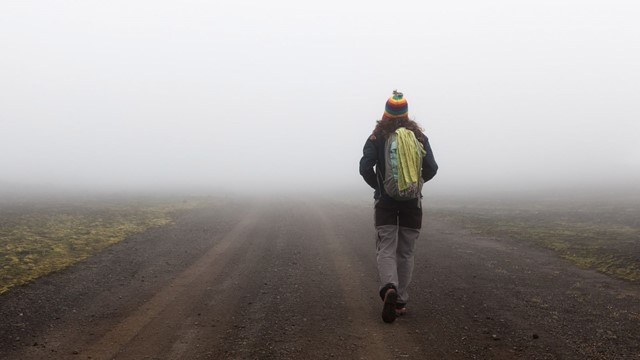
x,y
395,247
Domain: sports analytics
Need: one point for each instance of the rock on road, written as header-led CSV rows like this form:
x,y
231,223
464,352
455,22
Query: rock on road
x,y
297,280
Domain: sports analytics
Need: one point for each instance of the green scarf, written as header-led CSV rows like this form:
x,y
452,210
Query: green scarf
x,y
410,154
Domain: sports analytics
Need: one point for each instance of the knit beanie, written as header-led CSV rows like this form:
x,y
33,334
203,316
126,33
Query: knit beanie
x,y
396,106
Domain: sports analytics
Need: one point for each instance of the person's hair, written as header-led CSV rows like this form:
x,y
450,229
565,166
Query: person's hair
x,y
387,125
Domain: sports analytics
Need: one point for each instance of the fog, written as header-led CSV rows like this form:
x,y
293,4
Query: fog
x,y
253,96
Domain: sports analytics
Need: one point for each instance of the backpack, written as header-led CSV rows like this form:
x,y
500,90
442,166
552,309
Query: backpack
x,y
403,165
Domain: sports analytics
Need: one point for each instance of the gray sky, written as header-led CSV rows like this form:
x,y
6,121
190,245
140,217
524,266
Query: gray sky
x,y
255,94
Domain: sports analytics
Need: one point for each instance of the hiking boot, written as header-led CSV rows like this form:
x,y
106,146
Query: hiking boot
x,y
389,308
401,309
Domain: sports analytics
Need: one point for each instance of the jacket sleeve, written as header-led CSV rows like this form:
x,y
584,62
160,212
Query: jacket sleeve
x,y
429,166
367,163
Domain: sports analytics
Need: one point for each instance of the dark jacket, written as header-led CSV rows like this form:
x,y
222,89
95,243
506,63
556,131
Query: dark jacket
x,y
373,156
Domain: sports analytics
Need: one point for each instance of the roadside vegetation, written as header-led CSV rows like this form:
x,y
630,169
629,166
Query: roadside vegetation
x,y
603,236
39,239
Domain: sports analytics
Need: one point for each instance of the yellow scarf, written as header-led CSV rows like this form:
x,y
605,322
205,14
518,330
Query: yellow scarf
x,y
410,154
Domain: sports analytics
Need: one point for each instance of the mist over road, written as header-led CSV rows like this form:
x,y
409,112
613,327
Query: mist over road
x,y
297,279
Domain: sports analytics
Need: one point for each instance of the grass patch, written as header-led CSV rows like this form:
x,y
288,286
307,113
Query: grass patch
x,y
35,241
603,238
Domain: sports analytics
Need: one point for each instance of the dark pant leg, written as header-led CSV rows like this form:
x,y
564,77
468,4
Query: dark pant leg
x,y
397,228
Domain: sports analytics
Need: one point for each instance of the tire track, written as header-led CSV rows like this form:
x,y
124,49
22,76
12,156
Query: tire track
x,y
298,280
115,341
351,242
238,289
357,293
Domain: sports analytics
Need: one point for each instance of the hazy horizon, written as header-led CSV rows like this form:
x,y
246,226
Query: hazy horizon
x,y
249,96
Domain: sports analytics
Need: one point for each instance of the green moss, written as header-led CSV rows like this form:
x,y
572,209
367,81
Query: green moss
x,y
38,243
607,247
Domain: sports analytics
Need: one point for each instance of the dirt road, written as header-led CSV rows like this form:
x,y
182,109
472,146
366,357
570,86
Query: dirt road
x,y
297,280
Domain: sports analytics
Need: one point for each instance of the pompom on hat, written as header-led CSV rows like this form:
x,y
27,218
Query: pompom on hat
x,y
396,106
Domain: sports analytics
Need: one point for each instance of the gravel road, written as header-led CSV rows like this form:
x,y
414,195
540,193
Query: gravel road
x,y
297,280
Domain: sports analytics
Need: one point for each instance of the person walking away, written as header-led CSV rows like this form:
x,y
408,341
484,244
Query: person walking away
x,y
397,160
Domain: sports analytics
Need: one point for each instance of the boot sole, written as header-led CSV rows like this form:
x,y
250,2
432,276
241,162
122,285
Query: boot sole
x,y
389,309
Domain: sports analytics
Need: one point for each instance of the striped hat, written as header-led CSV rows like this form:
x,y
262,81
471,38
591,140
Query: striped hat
x,y
396,106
